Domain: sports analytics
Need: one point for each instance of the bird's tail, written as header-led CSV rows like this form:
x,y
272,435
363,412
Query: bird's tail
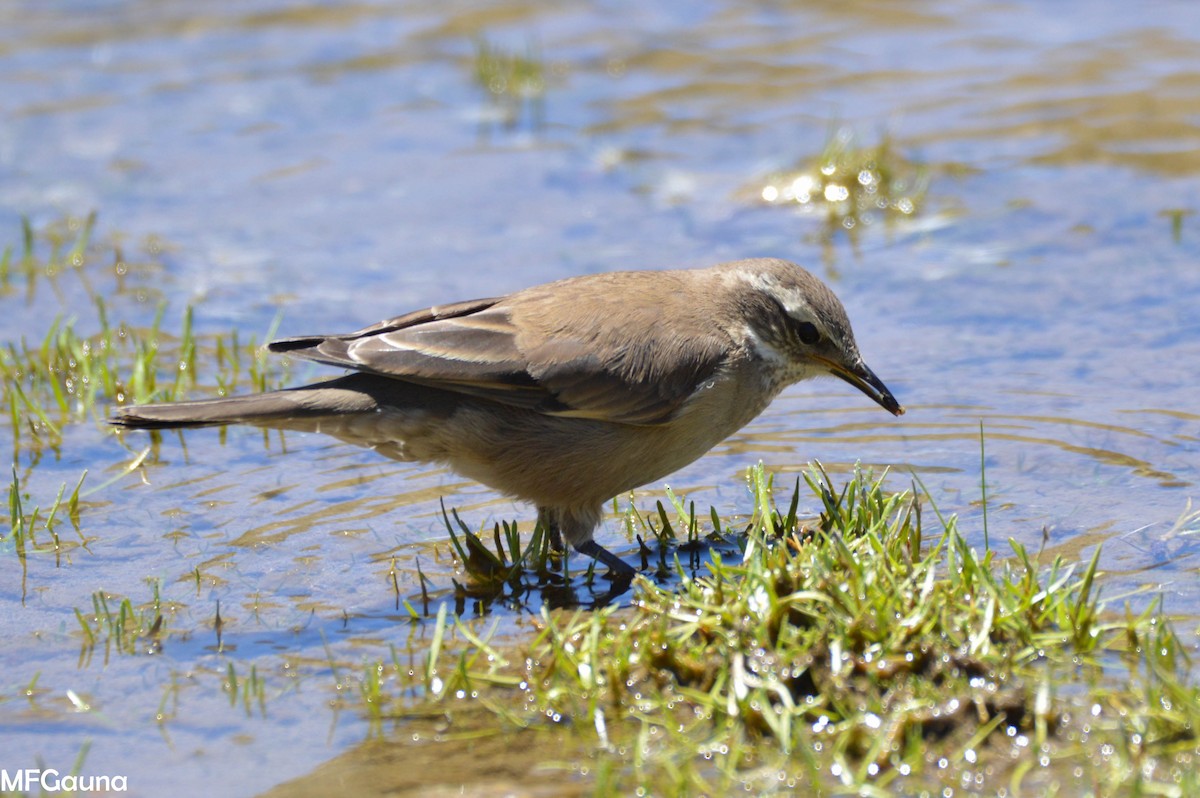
x,y
354,393
206,412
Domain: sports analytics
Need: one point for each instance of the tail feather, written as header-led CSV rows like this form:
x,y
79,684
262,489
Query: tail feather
x,y
354,393
205,412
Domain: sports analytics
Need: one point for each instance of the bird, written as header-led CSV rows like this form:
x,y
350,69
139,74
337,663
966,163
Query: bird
x,y
568,393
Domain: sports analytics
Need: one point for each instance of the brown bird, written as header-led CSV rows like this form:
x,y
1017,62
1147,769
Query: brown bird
x,y
569,393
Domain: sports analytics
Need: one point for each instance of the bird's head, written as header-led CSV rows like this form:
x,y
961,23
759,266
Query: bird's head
x,y
798,327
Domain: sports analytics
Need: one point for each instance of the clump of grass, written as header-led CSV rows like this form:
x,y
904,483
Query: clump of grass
x,y
515,83
250,690
26,525
490,572
32,532
848,186
663,534
31,267
66,375
501,569
125,629
60,379
390,689
64,256
851,653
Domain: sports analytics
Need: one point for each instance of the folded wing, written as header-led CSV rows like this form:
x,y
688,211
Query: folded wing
x,y
528,354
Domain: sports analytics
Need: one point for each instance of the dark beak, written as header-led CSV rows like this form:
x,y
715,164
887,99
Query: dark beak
x,y
865,380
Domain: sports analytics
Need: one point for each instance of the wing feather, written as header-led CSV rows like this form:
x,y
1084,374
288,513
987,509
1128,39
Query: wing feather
x,y
531,350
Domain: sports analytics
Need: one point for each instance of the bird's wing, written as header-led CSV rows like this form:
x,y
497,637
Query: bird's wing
x,y
332,349
579,365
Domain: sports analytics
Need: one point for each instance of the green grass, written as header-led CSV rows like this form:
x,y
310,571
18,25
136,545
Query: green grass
x,y
849,186
33,267
504,568
34,532
119,627
69,377
491,573
83,364
848,181
249,691
850,654
1177,216
515,84
86,360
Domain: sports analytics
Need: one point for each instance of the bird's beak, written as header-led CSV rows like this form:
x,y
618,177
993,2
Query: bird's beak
x,y
865,380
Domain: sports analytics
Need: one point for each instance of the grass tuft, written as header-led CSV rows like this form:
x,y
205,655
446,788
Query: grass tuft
x,y
848,186
851,653
121,627
80,365
514,84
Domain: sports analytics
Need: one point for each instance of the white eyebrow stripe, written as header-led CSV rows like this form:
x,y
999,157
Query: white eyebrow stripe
x,y
793,302
762,348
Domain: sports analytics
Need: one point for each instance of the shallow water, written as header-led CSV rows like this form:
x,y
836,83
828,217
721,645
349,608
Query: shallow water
x,y
343,163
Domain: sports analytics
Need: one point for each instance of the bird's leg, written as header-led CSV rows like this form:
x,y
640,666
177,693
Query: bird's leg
x,y
549,521
576,525
620,568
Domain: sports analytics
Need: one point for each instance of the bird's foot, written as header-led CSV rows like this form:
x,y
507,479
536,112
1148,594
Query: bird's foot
x,y
620,569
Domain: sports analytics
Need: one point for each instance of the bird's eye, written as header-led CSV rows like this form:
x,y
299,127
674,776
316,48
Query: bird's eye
x,y
807,332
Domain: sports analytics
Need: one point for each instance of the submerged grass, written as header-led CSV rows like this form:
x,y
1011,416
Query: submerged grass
x,y
851,654
849,186
85,362
249,690
123,628
32,532
515,84
72,371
